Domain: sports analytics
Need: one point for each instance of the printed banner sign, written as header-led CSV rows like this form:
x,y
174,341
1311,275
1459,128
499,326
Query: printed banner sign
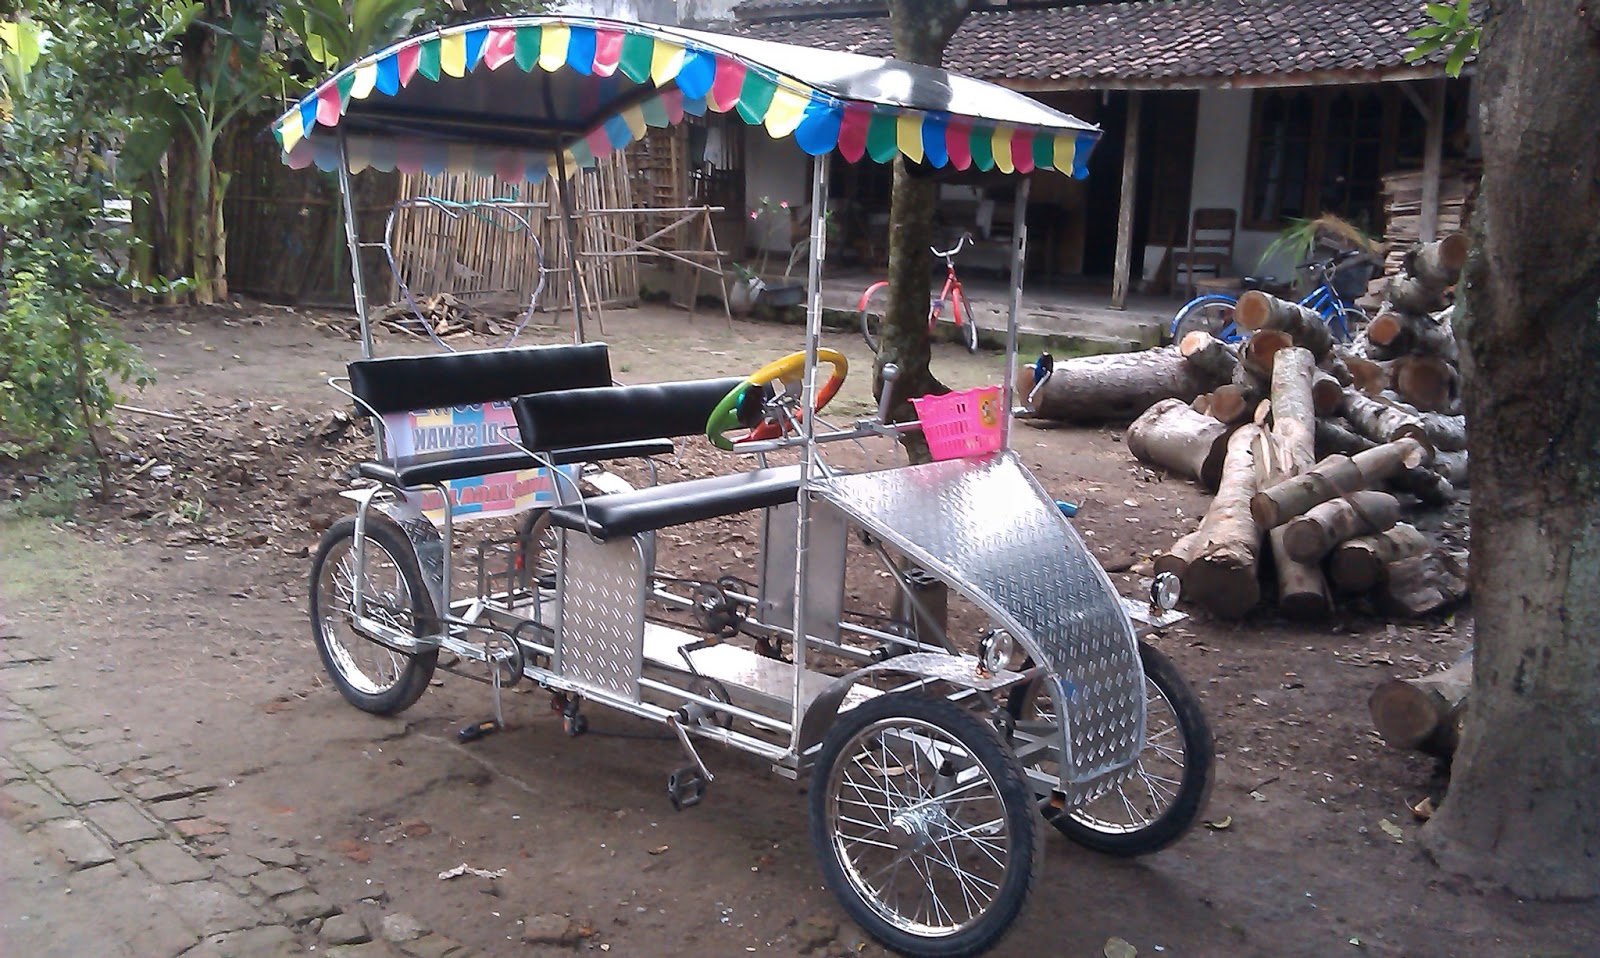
x,y
471,428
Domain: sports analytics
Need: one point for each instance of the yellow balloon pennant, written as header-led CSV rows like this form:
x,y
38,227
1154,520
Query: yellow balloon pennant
x,y
908,136
453,54
553,46
785,111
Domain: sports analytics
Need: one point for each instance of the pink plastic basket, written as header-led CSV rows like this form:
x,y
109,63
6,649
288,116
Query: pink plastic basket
x,y
962,423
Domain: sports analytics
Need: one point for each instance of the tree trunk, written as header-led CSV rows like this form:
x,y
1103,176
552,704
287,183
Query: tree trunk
x,y
1178,439
1381,422
921,31
1223,572
1293,441
1452,465
1438,262
1327,394
1412,294
1258,310
1119,385
1313,535
1424,585
1302,589
1358,565
1398,334
1427,382
1335,437
1256,356
1335,476
1231,403
1215,358
1424,713
1178,556
1368,375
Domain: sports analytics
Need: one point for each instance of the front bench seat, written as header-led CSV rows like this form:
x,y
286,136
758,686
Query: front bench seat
x,y
431,467
622,514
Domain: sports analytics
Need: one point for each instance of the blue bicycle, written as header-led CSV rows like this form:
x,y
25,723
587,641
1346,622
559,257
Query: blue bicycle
x,y
1213,312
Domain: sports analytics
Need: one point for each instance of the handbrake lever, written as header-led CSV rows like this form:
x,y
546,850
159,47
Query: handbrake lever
x,y
891,372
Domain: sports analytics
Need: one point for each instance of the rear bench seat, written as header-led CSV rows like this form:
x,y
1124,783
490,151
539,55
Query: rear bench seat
x,y
397,384
621,414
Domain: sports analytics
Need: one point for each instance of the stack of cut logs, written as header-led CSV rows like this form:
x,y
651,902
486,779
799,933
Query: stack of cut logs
x,y
1308,445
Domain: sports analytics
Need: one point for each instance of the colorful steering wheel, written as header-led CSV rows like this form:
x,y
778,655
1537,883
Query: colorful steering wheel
x,y
742,405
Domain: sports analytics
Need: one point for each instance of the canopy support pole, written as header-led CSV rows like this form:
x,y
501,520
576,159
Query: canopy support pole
x,y
1019,261
808,424
1432,160
1130,185
358,283
564,192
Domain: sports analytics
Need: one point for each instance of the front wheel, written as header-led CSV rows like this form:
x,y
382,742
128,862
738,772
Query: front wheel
x,y
1165,792
969,327
370,676
923,825
1212,314
874,306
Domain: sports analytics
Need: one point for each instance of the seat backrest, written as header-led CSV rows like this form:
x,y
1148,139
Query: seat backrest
x,y
1213,229
396,384
613,414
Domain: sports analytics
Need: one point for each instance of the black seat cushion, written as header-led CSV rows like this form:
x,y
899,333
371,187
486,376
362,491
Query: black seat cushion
x,y
403,383
611,414
623,514
444,466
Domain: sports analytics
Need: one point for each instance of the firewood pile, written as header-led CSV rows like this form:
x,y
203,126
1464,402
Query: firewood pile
x,y
1316,451
1402,208
446,315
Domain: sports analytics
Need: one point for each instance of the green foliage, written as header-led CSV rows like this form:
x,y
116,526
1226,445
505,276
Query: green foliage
x,y
60,357
1453,28
1301,237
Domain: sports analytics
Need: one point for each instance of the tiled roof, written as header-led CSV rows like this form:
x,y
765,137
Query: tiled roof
x,y
1151,42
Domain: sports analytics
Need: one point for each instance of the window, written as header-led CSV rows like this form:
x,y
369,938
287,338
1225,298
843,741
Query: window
x,y
1316,151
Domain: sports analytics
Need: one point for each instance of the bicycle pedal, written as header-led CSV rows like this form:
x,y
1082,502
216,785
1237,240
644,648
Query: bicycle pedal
x,y
477,730
685,787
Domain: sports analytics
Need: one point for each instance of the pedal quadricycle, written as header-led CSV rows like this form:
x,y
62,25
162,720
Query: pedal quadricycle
x,y
935,753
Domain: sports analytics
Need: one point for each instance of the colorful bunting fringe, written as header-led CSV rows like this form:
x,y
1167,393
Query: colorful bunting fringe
x,y
705,79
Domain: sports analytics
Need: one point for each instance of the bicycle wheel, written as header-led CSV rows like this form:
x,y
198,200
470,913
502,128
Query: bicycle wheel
x,y
1212,314
873,307
923,825
960,312
370,676
1162,798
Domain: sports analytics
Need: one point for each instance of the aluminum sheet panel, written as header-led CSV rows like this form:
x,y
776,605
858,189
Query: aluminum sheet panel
x,y
601,641
987,528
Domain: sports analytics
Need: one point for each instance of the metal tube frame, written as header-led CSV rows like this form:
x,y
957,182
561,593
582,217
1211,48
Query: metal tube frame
x,y
358,283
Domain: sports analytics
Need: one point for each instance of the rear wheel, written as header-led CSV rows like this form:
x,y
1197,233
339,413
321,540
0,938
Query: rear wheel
x,y
874,307
923,825
1163,795
371,676
1211,314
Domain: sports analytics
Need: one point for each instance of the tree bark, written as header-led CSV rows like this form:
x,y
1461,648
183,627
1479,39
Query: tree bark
x,y
1327,394
1256,355
1178,439
1438,262
1302,588
1119,385
1231,403
1381,422
921,31
1223,571
1358,565
1294,443
1452,465
1413,294
1335,476
1368,375
1258,310
1178,556
1335,437
1215,358
1397,334
1313,535
1424,585
1424,713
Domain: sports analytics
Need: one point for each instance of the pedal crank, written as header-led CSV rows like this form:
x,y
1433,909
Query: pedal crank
x,y
687,786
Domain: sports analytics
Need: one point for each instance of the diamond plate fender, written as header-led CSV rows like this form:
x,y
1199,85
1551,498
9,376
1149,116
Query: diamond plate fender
x,y
988,529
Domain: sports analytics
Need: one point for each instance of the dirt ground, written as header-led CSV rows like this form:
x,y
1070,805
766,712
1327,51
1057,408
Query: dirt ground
x,y
180,606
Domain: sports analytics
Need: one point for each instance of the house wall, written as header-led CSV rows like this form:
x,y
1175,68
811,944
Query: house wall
x,y
1222,141
779,170
651,11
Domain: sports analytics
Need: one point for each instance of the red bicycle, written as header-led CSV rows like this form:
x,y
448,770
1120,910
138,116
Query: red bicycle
x,y
875,300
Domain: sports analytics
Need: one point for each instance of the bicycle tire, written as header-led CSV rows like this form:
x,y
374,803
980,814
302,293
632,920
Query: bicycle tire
x,y
962,314
1212,314
873,307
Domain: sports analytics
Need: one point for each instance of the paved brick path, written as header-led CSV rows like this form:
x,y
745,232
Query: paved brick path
x,y
108,852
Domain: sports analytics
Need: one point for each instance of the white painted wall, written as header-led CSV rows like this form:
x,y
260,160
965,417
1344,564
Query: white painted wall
x,y
1222,143
776,169
651,11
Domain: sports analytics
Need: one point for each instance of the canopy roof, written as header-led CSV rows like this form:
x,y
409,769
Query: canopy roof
x,y
601,83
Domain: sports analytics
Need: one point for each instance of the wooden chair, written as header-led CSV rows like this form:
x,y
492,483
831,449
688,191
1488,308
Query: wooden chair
x,y
1211,236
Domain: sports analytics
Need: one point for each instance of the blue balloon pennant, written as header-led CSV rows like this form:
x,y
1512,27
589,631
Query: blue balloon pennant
x,y
694,78
475,38
580,50
388,82
933,145
818,131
